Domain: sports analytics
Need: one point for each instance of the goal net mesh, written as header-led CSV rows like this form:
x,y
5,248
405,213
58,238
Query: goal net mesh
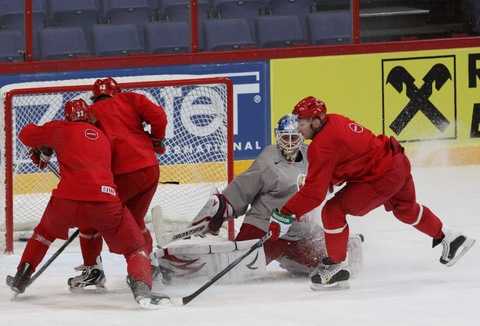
x,y
198,145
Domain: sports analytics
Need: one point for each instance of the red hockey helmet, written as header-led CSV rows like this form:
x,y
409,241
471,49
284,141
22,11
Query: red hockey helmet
x,y
108,87
77,110
311,107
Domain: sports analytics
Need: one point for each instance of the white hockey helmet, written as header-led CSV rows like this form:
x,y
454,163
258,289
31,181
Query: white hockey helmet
x,y
289,140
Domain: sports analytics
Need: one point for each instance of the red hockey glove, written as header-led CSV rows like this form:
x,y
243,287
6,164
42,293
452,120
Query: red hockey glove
x,y
158,146
41,158
280,224
34,155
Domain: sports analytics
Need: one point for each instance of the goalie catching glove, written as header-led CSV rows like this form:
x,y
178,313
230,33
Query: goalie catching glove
x,y
280,224
216,211
41,158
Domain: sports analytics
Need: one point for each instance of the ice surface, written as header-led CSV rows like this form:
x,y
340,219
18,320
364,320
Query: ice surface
x,y
402,282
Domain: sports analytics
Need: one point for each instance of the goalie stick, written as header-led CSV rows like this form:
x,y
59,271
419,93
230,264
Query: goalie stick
x,y
185,300
163,238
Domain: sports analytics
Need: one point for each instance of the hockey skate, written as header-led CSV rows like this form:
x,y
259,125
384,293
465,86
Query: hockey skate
x,y
455,245
145,298
91,276
21,279
331,276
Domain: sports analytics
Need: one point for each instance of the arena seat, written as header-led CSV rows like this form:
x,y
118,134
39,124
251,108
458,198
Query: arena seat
x,y
279,31
12,18
179,10
300,8
227,34
246,9
60,43
111,40
85,14
136,12
330,27
167,37
12,46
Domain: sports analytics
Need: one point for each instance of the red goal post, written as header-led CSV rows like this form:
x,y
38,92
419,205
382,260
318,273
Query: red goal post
x,y
199,145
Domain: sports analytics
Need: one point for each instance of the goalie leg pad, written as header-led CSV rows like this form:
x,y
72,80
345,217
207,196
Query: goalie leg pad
x,y
197,263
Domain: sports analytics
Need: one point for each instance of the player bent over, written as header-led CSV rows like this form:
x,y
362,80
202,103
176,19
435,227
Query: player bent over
x,y
275,175
375,171
86,196
134,164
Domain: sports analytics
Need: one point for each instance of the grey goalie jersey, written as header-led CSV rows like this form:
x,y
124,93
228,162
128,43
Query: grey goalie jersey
x,y
267,184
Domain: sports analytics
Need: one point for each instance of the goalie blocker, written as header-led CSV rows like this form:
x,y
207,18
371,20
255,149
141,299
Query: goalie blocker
x,y
201,261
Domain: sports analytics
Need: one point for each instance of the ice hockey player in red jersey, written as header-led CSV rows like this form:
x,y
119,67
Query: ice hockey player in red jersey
x,y
275,175
120,115
375,171
86,197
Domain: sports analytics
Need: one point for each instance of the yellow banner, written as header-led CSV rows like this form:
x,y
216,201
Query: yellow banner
x,y
428,100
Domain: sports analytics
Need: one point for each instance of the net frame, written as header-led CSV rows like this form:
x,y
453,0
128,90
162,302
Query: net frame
x,y
84,86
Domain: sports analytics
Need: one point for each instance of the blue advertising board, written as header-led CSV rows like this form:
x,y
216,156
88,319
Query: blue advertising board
x,y
251,81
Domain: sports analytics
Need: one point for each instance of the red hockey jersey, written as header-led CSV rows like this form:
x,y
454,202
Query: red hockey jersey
x,y
121,118
343,151
84,156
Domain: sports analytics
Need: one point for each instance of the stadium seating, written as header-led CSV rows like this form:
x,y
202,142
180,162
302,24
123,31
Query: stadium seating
x,y
247,9
167,37
12,18
136,12
227,34
330,27
12,46
59,43
116,40
279,31
85,13
301,8
179,10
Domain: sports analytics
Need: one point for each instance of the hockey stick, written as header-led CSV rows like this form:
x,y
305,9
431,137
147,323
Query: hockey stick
x,y
48,262
185,300
56,254
53,170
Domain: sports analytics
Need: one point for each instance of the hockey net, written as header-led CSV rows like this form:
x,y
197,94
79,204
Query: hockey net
x,y
199,145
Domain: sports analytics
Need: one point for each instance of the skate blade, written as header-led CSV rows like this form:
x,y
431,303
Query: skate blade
x,y
9,282
149,304
91,290
342,285
466,245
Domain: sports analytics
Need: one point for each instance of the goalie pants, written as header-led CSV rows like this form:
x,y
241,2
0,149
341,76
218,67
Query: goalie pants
x,y
112,220
395,190
136,190
308,251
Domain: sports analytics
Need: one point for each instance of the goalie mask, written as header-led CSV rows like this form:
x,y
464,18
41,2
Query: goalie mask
x,y
78,110
105,87
289,140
